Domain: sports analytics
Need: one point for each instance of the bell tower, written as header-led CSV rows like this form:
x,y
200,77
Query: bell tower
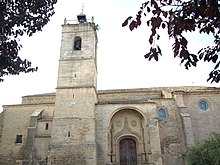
x,y
73,130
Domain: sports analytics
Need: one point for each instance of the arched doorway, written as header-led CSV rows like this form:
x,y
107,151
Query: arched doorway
x,y
128,138
128,151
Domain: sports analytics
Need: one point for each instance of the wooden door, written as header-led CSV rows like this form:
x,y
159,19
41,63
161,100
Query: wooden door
x,y
128,152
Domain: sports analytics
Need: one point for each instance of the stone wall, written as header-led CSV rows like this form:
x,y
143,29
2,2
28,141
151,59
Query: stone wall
x,y
147,134
203,122
171,133
92,137
72,153
16,122
39,99
127,95
1,125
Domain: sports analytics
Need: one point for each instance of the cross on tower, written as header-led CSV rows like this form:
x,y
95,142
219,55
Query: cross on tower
x,y
82,7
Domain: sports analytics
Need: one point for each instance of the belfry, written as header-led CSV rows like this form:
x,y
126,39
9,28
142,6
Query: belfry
x,y
74,116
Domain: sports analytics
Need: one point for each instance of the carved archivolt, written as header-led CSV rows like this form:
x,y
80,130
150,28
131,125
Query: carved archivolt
x,y
127,123
126,129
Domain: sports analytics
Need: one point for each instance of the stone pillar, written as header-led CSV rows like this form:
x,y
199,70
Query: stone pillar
x,y
154,153
30,155
186,120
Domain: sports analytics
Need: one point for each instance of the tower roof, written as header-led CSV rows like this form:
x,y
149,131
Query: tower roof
x,y
81,17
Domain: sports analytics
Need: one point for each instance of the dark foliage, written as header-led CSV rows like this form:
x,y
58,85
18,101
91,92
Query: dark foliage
x,y
205,153
177,17
17,18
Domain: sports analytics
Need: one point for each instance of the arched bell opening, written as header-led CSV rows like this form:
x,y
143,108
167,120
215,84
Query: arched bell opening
x,y
77,43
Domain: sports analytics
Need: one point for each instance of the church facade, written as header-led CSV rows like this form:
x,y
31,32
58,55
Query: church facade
x,y
80,125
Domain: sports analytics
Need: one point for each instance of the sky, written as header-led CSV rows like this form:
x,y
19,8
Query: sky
x,y
120,55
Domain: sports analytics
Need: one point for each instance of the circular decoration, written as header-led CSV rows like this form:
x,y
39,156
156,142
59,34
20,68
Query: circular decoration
x,y
203,105
118,124
133,123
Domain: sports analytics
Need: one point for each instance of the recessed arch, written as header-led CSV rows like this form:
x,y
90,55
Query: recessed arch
x,y
124,108
77,43
127,123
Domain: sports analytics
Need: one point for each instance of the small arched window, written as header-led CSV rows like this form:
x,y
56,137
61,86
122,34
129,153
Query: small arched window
x,y
162,114
77,43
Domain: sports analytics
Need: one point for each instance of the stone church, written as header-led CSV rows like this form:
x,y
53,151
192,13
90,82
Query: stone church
x,y
80,125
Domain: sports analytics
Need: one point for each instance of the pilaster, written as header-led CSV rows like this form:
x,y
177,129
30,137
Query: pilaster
x,y
186,120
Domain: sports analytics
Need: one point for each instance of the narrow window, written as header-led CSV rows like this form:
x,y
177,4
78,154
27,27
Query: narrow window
x,y
77,43
18,139
68,134
162,114
46,126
